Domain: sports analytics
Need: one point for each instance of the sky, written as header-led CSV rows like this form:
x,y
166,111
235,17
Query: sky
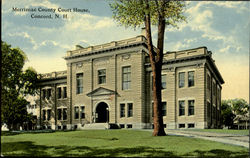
x,y
223,27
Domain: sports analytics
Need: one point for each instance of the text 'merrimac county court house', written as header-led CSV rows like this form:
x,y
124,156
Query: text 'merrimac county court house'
x,y
112,83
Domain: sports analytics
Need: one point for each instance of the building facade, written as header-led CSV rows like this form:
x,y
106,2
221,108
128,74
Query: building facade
x,y
112,83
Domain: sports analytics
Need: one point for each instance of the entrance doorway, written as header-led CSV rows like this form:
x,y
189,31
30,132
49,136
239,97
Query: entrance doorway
x,y
102,113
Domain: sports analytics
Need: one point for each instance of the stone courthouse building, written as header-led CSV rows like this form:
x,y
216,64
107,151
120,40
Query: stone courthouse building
x,y
112,83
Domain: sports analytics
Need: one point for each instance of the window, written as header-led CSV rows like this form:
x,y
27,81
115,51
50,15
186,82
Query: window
x,y
64,92
59,114
48,93
44,114
79,83
191,125
130,109
164,108
59,93
122,110
129,126
208,82
163,81
190,78
208,110
101,76
213,111
44,93
76,112
181,107
121,125
214,88
182,125
82,112
191,107
64,114
126,77
181,79
48,114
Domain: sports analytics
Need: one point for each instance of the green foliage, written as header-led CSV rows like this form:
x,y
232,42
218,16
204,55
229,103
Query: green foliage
x,y
227,114
132,12
232,108
15,85
239,106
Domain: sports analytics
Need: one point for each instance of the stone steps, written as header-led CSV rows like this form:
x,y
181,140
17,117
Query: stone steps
x,y
96,126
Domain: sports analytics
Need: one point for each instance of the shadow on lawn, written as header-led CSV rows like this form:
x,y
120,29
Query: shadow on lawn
x,y
28,148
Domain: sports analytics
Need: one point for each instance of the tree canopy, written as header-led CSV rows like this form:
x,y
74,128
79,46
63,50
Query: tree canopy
x,y
234,110
132,13
16,83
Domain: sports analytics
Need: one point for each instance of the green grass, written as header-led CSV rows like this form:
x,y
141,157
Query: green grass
x,y
226,131
113,143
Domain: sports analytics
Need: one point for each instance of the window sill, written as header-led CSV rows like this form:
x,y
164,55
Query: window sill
x,y
191,87
102,84
62,98
126,90
79,94
187,87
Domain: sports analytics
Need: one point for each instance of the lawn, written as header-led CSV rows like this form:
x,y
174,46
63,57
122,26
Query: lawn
x,y
113,143
226,131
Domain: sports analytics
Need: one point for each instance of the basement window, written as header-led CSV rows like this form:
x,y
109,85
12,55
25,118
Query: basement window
x,y
129,126
182,125
122,125
191,125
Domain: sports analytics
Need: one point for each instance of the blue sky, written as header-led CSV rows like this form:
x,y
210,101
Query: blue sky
x,y
223,27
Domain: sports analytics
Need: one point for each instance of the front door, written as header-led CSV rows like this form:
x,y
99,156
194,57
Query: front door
x,y
102,113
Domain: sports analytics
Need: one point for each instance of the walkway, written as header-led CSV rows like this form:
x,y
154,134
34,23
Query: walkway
x,y
219,137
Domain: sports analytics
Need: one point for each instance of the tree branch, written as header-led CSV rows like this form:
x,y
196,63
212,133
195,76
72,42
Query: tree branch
x,y
148,34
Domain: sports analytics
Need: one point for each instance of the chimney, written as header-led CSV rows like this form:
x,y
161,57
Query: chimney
x,y
143,31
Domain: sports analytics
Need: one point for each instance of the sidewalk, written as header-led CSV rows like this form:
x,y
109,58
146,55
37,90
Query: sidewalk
x,y
219,137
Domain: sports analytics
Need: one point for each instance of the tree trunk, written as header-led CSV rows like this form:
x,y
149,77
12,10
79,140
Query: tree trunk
x,y
158,120
156,64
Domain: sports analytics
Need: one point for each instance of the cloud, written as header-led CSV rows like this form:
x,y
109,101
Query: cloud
x,y
223,50
240,7
104,23
217,27
89,22
45,4
22,38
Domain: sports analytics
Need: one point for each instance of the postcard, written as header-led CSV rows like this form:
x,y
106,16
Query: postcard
x,y
96,73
